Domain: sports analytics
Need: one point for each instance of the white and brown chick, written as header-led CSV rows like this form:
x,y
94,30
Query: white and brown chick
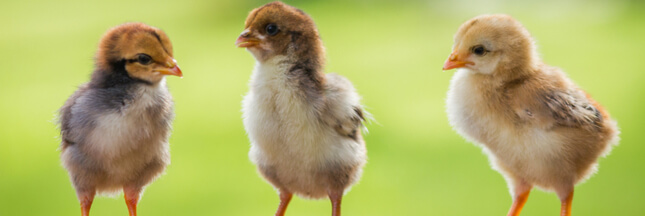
x,y
115,128
537,127
304,125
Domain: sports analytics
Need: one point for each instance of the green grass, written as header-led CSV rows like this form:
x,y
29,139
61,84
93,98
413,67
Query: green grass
x,y
393,54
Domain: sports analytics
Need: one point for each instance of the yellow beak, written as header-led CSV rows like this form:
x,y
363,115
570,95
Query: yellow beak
x,y
454,62
171,68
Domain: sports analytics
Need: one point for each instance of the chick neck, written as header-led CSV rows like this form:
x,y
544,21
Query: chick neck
x,y
303,58
299,69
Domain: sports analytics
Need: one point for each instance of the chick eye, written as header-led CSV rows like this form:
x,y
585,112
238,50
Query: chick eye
x,y
272,29
144,59
479,50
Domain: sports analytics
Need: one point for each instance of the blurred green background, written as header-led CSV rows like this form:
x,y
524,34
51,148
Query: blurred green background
x,y
391,51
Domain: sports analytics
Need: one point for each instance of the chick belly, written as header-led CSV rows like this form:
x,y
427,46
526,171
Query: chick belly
x,y
536,157
541,157
517,155
124,156
137,169
108,175
309,169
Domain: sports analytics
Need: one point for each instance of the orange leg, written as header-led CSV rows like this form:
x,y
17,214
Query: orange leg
x,y
521,195
132,195
86,202
335,197
566,201
285,198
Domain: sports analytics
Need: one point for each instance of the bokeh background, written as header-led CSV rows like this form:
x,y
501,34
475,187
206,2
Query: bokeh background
x,y
392,51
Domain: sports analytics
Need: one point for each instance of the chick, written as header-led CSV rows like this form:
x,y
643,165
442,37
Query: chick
x,y
537,127
115,128
304,125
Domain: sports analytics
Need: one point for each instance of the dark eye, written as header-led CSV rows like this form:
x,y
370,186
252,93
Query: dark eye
x,y
144,59
479,50
272,29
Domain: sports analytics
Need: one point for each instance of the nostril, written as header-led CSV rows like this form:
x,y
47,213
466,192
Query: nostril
x,y
245,34
453,57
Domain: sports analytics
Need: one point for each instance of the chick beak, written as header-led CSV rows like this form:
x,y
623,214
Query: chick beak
x,y
171,68
454,62
245,40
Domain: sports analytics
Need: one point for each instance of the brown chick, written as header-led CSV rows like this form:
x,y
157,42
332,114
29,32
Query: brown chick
x,y
115,128
304,125
537,127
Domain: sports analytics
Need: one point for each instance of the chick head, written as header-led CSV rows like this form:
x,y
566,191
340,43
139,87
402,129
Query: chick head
x,y
144,52
279,29
491,44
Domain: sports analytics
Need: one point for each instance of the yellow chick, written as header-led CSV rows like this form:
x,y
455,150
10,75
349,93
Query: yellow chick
x,y
537,127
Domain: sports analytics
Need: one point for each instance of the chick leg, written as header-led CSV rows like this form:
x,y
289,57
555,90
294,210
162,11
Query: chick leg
x,y
285,198
566,198
86,198
335,196
132,195
520,195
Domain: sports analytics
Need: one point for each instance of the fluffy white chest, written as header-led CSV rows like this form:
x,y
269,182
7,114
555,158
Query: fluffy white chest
x,y
463,106
282,125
